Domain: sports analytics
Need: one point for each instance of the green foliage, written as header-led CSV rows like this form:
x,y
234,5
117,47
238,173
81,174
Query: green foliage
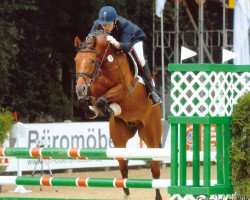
x,y
9,38
29,80
6,122
37,52
240,147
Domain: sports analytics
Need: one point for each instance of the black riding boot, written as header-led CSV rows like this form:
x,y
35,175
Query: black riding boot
x,y
146,75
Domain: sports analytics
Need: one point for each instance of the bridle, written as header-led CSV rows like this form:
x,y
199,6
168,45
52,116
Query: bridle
x,y
96,73
97,65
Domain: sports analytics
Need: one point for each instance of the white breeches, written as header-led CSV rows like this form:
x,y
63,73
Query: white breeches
x,y
138,47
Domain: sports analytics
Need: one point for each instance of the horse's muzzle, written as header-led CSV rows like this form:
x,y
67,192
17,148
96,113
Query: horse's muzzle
x,y
81,91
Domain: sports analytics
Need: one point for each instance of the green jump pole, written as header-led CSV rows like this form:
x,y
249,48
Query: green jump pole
x,y
84,182
157,154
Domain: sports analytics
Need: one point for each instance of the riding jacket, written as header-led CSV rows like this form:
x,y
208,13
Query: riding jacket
x,y
125,32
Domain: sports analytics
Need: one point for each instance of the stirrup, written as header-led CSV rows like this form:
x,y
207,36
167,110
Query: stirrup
x,y
155,98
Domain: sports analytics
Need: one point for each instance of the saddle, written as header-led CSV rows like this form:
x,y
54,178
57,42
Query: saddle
x,y
135,66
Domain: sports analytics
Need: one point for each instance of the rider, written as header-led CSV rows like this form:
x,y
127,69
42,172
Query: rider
x,y
125,35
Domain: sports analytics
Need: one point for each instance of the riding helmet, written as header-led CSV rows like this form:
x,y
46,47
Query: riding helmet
x,y
107,15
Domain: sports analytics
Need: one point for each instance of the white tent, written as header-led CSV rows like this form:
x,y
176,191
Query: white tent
x,y
241,31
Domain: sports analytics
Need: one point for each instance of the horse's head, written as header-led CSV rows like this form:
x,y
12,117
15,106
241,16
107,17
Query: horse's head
x,y
89,58
91,54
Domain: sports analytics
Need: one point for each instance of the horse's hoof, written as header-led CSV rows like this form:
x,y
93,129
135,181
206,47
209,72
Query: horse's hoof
x,y
95,110
158,198
158,195
126,194
126,191
90,114
126,197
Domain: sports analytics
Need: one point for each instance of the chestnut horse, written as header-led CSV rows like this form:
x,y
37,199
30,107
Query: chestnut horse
x,y
106,83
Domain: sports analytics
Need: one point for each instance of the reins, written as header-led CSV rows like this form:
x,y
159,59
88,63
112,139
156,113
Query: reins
x,y
84,49
122,76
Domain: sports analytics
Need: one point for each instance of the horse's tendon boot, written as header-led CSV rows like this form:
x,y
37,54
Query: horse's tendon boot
x,y
116,108
104,107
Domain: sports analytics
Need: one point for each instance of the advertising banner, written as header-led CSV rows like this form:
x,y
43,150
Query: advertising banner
x,y
189,135
64,135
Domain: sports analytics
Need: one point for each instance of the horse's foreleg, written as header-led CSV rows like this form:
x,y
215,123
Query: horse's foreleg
x,y
102,104
123,166
109,109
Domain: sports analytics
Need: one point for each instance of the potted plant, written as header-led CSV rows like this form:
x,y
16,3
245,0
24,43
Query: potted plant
x,y
6,122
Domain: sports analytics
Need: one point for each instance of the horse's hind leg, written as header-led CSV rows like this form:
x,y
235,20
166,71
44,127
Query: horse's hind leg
x,y
123,167
120,134
155,169
151,135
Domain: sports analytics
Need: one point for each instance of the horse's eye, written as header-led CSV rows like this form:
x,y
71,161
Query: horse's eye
x,y
92,62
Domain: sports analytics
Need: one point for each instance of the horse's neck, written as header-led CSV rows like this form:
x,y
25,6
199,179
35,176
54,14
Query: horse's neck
x,y
119,69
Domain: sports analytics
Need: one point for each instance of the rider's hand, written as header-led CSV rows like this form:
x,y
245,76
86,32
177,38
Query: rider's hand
x,y
113,41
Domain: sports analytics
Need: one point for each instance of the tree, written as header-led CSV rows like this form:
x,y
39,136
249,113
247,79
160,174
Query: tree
x,y
8,46
37,52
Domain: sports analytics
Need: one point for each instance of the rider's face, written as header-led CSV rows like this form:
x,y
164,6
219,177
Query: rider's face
x,y
108,27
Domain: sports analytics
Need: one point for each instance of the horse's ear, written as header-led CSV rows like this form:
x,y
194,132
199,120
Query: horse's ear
x,y
77,42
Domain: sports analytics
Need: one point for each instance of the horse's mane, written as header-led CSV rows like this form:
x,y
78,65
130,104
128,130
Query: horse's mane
x,y
90,37
95,34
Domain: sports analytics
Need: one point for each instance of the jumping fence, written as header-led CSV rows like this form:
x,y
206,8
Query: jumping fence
x,y
203,95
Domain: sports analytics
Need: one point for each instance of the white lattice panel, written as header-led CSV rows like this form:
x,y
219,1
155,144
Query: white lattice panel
x,y
241,85
207,94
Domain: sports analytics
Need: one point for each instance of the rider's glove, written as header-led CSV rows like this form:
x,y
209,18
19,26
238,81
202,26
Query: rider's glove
x,y
112,41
